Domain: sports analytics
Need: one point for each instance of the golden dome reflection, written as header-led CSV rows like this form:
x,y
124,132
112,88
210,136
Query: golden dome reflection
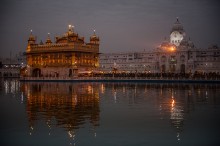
x,y
68,106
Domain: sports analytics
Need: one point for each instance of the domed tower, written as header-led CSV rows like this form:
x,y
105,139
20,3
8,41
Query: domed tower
x,y
177,33
94,39
71,35
31,39
191,44
70,31
48,42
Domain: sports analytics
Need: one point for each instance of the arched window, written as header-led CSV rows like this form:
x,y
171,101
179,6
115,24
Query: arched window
x,y
163,59
182,68
182,58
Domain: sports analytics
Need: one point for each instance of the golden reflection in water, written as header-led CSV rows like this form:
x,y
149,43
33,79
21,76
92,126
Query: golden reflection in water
x,y
171,102
102,88
177,116
65,105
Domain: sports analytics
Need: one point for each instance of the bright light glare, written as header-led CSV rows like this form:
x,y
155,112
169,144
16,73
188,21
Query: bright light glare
x,y
172,48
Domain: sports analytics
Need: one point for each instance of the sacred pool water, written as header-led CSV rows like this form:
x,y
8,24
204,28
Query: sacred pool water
x,y
108,114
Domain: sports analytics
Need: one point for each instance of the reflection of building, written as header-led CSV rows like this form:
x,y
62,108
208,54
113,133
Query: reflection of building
x,y
176,55
177,116
172,105
67,56
10,86
71,105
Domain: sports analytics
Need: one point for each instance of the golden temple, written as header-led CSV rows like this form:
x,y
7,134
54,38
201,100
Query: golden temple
x,y
66,57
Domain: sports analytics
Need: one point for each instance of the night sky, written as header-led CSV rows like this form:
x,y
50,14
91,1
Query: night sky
x,y
122,25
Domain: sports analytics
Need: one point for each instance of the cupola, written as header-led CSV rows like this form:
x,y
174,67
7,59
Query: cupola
x,y
94,39
31,39
48,42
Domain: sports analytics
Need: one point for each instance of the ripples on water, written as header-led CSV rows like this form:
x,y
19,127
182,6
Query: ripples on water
x,y
111,113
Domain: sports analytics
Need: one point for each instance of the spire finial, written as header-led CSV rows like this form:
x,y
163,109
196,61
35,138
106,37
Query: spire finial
x,y
48,41
94,31
48,35
70,28
177,19
31,31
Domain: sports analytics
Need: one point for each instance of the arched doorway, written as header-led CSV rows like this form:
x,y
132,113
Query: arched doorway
x,y
163,68
70,73
182,68
36,72
182,58
172,62
172,68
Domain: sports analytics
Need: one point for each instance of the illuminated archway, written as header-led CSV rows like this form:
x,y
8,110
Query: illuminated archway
x,y
36,72
70,73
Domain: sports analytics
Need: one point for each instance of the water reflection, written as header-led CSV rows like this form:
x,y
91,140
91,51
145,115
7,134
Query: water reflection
x,y
174,101
74,106
10,86
64,105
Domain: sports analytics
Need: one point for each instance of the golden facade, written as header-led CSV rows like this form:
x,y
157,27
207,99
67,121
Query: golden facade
x,y
64,58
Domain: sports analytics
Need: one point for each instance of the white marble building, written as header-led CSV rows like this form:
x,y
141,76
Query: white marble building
x,y
176,55
10,67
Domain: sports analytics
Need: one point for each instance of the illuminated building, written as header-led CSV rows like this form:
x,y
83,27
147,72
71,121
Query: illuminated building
x,y
176,55
66,57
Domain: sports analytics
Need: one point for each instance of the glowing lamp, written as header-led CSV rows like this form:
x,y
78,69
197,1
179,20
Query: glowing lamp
x,y
172,48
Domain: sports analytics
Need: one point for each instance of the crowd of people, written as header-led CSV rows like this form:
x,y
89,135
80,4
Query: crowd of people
x,y
196,75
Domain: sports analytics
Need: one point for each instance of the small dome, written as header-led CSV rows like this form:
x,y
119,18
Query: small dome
x,y
94,36
41,42
184,42
31,37
191,44
70,32
48,39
